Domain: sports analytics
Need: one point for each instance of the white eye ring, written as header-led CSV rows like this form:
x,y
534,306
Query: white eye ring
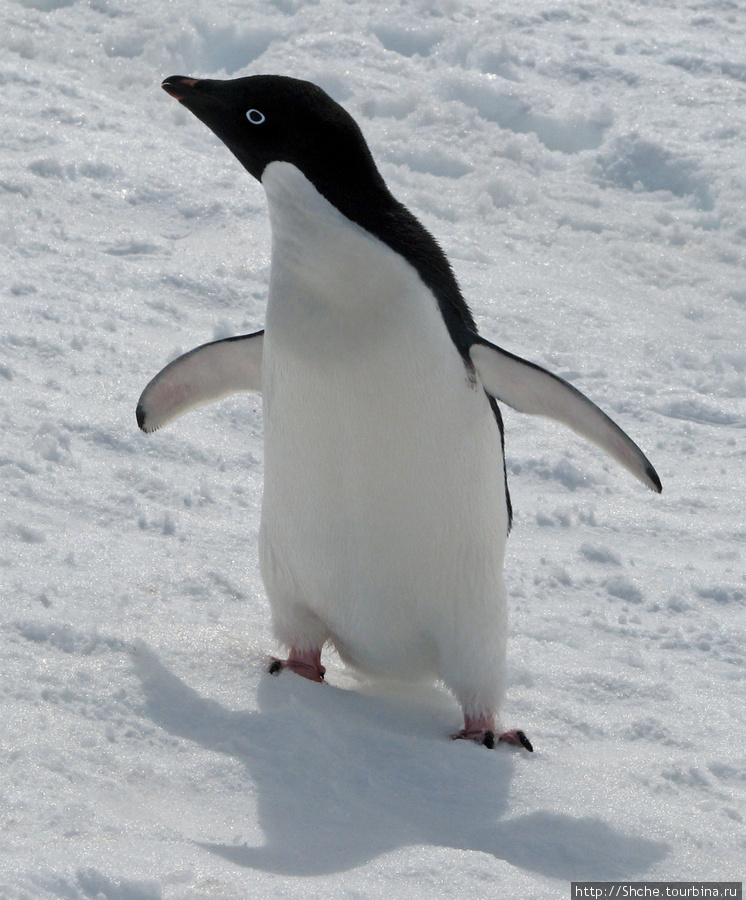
x,y
255,117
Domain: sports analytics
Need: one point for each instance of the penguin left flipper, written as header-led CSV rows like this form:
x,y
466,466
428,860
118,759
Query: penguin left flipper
x,y
529,388
203,375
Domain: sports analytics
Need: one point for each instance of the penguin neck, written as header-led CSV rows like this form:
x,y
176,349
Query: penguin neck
x,y
322,258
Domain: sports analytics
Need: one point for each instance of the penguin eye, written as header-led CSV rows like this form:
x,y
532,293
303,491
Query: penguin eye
x,y
255,117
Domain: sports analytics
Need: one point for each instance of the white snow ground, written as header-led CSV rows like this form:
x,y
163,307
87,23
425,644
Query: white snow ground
x,y
583,165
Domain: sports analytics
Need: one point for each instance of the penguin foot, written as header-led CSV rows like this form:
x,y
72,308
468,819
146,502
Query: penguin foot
x,y
306,664
484,736
517,738
482,731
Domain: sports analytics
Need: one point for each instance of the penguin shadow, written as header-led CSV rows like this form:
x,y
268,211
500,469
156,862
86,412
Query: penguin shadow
x,y
342,776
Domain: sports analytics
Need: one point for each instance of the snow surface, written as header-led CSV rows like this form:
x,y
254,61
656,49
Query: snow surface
x,y
582,163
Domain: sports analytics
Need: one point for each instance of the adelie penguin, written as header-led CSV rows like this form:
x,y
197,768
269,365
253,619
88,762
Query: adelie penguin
x,y
385,509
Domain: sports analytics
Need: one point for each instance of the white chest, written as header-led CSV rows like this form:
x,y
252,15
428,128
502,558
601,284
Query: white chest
x,y
383,473
360,373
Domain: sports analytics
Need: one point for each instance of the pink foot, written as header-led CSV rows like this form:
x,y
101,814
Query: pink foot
x,y
482,731
305,663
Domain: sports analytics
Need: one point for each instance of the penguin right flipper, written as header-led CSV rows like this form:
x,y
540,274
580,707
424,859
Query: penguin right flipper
x,y
203,375
531,389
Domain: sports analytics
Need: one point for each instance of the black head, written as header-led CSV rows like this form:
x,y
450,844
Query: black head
x,y
272,118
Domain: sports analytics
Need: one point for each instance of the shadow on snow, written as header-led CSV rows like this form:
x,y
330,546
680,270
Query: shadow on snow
x,y
342,777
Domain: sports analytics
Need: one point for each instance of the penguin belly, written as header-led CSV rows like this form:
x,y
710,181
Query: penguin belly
x,y
384,513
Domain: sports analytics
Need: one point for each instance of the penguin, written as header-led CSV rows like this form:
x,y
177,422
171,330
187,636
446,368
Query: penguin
x,y
385,509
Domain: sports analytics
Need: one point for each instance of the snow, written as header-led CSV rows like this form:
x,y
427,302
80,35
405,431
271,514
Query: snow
x,y
582,165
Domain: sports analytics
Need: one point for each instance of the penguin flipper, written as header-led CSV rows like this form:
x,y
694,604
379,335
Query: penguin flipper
x,y
203,375
529,388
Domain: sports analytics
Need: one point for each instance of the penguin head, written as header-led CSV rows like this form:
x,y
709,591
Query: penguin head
x,y
273,118
264,119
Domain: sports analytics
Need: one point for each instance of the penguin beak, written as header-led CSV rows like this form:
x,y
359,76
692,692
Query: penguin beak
x,y
179,86
203,97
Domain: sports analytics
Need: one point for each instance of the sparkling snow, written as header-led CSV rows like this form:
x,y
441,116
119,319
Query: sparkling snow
x,y
583,166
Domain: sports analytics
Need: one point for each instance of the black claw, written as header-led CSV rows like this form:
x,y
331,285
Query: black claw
x,y
525,742
489,740
275,667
